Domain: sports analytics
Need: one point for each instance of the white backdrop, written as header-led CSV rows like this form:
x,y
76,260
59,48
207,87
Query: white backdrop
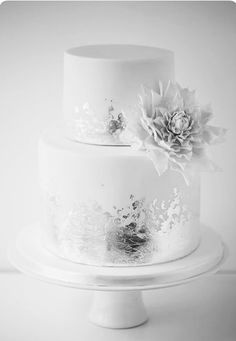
x,y
33,36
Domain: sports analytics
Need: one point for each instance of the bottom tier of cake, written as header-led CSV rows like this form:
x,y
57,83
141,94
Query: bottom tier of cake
x,y
106,205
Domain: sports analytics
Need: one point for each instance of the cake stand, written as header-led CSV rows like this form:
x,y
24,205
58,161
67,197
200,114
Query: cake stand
x,y
117,301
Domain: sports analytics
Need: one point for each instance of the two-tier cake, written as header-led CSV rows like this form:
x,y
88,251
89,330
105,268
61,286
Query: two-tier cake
x,y
118,178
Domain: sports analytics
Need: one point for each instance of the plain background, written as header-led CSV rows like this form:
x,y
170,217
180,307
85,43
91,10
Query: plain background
x,y
33,37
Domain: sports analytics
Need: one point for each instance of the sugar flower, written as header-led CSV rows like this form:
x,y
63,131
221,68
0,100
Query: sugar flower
x,y
176,129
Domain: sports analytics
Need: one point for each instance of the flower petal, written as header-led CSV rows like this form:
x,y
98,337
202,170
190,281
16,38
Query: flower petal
x,y
160,88
212,135
178,167
159,158
204,164
156,99
205,115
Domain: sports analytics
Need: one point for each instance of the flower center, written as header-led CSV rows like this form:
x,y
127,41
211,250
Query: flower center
x,y
179,122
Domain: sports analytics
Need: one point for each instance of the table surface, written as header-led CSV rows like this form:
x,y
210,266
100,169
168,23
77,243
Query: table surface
x,y
201,310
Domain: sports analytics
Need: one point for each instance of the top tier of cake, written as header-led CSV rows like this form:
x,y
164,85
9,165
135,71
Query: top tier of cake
x,y
105,80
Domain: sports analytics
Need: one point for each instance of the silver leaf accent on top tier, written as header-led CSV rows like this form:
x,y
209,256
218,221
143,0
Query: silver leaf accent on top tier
x,y
89,127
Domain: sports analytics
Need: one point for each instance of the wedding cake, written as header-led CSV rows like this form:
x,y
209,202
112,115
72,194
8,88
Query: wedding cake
x,y
120,176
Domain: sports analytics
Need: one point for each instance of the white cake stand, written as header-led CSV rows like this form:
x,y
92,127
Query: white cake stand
x,y
117,299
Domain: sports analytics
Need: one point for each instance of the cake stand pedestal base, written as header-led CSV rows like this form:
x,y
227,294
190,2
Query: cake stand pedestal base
x,y
118,309
117,301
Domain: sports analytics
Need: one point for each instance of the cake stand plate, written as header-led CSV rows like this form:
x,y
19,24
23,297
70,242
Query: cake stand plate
x,y
117,299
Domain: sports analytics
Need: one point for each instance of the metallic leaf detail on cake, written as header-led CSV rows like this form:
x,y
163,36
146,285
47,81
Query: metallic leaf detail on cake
x,y
125,235
128,235
115,122
89,126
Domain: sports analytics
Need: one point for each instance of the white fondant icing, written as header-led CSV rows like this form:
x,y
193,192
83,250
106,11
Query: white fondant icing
x,y
102,73
88,191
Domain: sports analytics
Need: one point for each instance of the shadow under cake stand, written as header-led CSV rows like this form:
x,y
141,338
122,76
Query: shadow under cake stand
x,y
117,301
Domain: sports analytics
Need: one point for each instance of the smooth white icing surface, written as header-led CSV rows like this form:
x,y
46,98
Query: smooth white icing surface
x,y
96,75
94,197
104,203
